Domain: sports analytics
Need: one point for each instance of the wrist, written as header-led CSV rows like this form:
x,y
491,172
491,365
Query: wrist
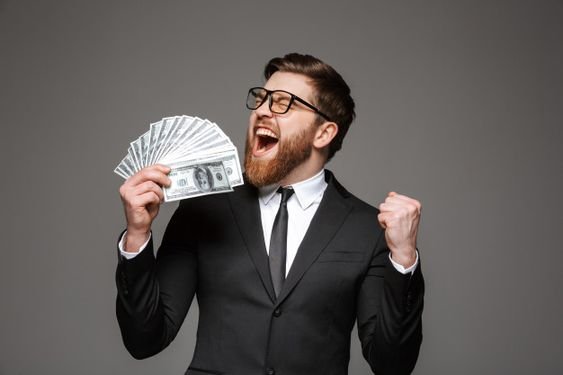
x,y
405,258
134,239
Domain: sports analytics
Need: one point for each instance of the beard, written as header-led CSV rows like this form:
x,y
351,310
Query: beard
x,y
291,152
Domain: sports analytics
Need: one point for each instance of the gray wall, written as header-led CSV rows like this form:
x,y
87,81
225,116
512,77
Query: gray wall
x,y
460,104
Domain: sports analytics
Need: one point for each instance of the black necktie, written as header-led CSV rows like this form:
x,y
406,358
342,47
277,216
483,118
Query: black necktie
x,y
278,242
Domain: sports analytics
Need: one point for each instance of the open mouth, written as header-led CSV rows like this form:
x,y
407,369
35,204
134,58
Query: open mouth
x,y
265,141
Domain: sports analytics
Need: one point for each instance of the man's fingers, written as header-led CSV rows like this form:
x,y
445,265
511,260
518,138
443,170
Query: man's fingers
x,y
130,195
146,199
149,186
389,217
163,168
157,173
395,197
398,201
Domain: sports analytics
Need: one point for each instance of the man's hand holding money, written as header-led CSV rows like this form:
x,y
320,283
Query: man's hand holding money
x,y
142,196
202,161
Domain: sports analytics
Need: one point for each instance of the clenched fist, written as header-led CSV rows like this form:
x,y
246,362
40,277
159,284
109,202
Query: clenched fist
x,y
399,216
142,196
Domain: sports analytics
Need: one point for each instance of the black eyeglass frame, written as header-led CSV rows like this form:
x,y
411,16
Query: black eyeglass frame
x,y
293,97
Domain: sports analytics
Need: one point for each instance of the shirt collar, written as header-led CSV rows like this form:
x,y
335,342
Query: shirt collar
x,y
306,191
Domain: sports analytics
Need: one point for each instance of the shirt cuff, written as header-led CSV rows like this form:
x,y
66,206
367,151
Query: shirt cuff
x,y
129,254
402,269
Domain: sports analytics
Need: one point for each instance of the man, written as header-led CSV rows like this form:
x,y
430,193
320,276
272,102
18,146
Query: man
x,y
279,285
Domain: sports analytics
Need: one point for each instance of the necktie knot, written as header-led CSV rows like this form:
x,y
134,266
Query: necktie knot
x,y
286,193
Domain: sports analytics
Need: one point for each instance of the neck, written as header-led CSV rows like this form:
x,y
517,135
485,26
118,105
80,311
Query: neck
x,y
305,170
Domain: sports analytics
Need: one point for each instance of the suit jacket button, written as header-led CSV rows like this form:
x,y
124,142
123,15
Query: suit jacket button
x,y
277,313
270,371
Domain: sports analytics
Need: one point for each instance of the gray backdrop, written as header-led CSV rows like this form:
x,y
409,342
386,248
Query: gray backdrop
x,y
460,104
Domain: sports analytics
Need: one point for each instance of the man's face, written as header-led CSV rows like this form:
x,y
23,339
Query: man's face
x,y
277,143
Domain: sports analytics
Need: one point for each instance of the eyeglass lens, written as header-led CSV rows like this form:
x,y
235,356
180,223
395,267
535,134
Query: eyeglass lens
x,y
279,102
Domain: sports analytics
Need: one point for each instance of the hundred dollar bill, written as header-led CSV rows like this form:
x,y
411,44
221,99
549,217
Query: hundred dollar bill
x,y
168,130
231,163
154,134
140,147
121,172
196,128
126,166
193,180
176,134
229,158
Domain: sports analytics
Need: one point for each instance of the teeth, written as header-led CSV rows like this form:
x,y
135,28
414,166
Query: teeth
x,y
266,132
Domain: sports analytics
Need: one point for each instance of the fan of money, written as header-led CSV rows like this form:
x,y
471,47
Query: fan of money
x,y
202,158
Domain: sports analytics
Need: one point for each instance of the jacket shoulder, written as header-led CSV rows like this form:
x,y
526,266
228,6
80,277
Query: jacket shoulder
x,y
356,203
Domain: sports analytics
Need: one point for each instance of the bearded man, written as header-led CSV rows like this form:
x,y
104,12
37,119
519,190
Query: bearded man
x,y
285,265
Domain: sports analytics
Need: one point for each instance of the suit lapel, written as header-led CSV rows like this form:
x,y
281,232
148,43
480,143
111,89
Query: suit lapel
x,y
329,217
246,210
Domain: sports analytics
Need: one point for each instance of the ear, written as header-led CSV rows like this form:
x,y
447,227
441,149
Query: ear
x,y
325,134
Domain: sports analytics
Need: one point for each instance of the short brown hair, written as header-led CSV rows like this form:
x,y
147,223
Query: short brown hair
x,y
332,93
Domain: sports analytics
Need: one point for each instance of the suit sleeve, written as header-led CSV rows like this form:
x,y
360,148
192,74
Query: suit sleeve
x,y
154,295
390,314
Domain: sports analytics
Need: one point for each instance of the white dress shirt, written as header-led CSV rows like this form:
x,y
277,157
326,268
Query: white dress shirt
x,y
301,208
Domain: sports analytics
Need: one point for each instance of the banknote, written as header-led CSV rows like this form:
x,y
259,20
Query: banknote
x,y
193,128
193,180
166,123
170,125
229,159
140,147
126,165
184,142
176,133
121,172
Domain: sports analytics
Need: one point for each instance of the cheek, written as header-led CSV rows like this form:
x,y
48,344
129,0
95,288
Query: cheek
x,y
249,127
292,129
287,126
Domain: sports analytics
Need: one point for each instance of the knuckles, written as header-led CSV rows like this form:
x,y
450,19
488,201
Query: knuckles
x,y
400,208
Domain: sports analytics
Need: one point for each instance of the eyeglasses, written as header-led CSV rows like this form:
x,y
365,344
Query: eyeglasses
x,y
279,102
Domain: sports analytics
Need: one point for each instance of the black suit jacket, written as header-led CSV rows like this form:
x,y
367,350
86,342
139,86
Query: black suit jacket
x,y
214,247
